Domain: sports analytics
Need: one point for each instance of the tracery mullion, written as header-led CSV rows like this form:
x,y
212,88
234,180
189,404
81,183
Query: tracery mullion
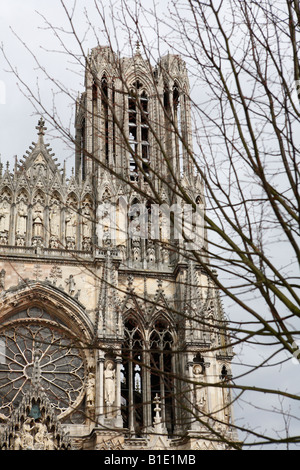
x,y
162,379
50,345
19,390
147,387
20,351
130,389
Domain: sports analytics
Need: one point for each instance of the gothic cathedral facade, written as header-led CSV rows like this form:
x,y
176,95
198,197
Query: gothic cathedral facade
x,y
111,335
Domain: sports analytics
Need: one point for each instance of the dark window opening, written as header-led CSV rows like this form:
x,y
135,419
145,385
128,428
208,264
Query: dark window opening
x,y
104,96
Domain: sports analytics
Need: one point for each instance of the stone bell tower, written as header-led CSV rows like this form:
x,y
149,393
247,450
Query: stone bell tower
x,y
120,309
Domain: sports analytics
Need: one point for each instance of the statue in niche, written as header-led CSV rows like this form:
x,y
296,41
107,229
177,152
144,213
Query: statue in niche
x,y
164,227
2,279
200,395
38,218
71,223
136,242
87,221
54,219
104,223
4,216
106,236
21,218
90,393
110,383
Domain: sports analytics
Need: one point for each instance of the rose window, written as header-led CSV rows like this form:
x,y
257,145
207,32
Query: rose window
x,y
37,351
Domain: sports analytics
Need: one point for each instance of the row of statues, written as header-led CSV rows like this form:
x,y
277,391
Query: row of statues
x,y
58,224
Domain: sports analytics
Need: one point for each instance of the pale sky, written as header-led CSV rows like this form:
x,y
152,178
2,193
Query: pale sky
x,y
18,120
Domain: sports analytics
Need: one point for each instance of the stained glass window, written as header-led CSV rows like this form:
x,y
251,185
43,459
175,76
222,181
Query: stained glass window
x,y
32,344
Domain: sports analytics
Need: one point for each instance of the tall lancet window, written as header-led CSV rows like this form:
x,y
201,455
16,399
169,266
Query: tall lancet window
x,y
177,127
132,379
138,122
94,115
104,102
162,371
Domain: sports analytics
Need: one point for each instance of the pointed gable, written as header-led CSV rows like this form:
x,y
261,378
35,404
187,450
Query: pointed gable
x,y
40,162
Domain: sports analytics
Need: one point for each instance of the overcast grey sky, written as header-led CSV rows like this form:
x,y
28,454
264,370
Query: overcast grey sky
x,y
17,131
27,20
26,36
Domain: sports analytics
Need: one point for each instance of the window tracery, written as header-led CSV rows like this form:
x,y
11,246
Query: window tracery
x,y
139,139
34,335
147,363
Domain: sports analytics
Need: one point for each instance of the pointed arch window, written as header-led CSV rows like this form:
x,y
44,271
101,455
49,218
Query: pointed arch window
x,y
147,370
138,122
133,379
162,371
104,102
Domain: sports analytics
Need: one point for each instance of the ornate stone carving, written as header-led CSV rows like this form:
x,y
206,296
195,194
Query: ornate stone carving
x,y
55,274
90,392
71,224
4,216
110,383
200,393
151,252
2,279
54,219
87,221
33,425
21,225
3,238
71,284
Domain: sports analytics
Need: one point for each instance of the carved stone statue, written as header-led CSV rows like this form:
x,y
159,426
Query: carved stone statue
x,y
54,219
200,395
21,218
165,256
2,279
41,433
4,216
38,218
20,240
27,434
90,393
104,224
87,222
71,223
110,385
17,443
71,284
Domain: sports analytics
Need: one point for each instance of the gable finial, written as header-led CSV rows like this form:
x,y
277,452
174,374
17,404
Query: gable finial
x,y
41,127
137,48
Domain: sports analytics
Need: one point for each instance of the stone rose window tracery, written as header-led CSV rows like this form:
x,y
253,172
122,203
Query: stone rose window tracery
x,y
34,344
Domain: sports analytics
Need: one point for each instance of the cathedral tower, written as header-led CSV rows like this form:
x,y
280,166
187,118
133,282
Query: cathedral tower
x,y
112,333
